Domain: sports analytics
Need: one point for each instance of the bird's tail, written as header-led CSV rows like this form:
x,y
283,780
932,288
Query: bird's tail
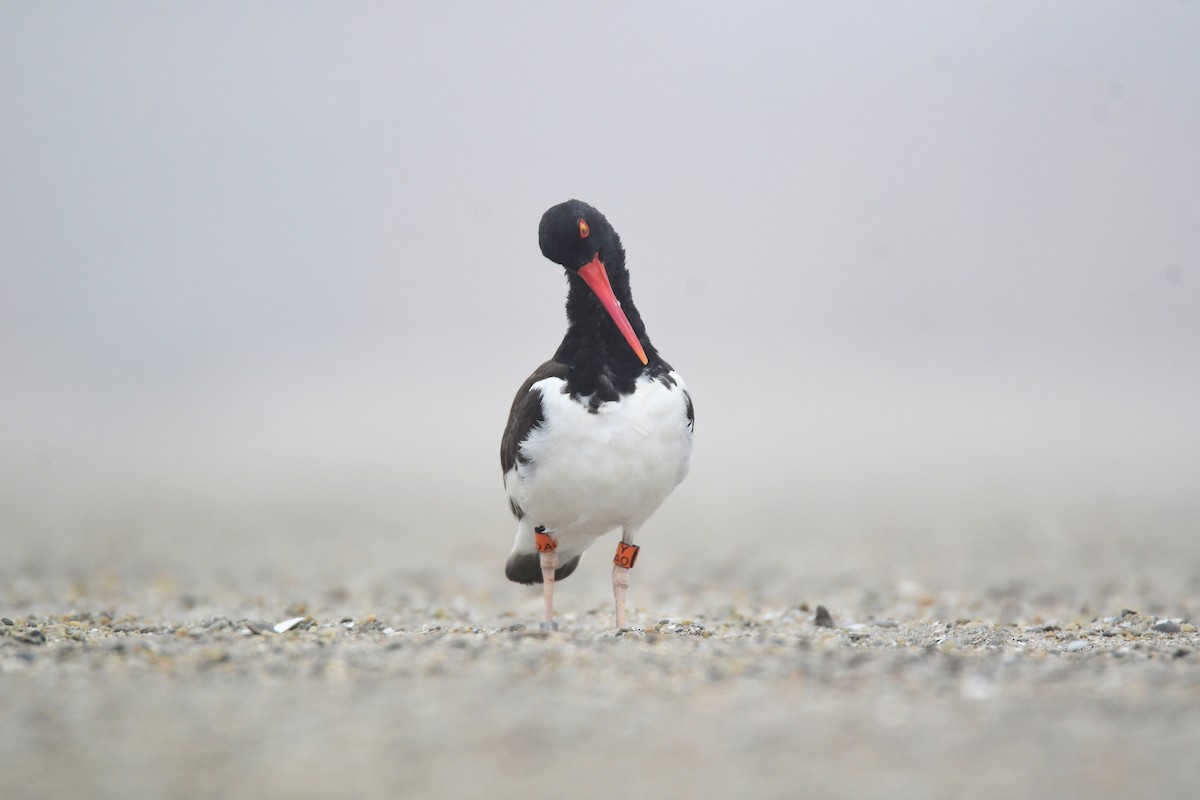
x,y
527,568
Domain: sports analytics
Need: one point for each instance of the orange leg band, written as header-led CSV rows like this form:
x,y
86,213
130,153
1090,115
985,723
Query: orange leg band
x,y
626,555
544,542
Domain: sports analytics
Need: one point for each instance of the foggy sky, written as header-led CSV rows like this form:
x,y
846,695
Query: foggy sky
x,y
274,268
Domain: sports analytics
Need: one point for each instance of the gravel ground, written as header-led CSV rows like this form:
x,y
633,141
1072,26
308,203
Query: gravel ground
x,y
440,688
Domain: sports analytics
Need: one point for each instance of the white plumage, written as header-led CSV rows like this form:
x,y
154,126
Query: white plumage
x,y
585,474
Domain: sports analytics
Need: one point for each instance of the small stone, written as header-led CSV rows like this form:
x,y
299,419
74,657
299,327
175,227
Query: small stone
x,y
7,621
1168,626
977,687
1077,645
288,624
823,619
214,655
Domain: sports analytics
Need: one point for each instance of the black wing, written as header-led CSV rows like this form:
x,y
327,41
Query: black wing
x,y
525,415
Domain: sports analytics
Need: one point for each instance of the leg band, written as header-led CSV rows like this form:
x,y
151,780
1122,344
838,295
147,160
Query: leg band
x,y
626,555
544,542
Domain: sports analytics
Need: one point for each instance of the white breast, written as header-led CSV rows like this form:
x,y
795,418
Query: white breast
x,y
588,473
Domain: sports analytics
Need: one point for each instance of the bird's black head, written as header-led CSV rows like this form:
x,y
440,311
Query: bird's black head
x,y
579,238
573,233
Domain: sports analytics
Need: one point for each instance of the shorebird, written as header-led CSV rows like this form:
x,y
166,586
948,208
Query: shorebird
x,y
600,434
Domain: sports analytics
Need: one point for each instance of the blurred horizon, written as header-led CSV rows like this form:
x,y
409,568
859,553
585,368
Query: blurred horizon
x,y
269,279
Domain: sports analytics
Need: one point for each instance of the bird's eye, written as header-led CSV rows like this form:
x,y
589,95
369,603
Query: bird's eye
x,y
584,230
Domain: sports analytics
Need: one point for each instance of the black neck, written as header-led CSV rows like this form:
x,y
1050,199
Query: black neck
x,y
602,364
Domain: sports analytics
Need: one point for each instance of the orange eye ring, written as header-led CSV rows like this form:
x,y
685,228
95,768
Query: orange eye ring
x,y
584,230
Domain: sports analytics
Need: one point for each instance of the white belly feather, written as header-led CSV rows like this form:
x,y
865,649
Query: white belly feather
x,y
586,474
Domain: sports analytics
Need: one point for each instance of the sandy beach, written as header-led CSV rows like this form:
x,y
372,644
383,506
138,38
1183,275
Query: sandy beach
x,y
435,688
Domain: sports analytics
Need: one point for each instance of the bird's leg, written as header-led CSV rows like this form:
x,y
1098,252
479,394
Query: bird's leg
x,y
620,577
547,547
624,560
549,559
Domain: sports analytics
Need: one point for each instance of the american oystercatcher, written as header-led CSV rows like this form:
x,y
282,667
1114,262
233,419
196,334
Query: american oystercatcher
x,y
600,434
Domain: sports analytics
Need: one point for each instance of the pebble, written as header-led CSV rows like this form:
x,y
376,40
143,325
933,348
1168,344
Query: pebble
x,y
823,618
1168,626
7,621
1077,645
684,627
977,687
288,624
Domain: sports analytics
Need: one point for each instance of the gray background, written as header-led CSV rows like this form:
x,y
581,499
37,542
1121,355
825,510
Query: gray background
x,y
269,278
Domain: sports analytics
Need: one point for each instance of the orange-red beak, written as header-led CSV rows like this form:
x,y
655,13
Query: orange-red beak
x,y
594,275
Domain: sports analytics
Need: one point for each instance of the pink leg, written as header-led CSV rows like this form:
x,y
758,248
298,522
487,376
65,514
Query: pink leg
x,y
622,562
620,586
549,562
